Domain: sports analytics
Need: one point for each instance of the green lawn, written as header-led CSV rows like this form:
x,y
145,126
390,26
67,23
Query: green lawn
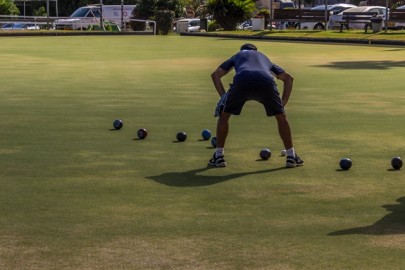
x,y
76,194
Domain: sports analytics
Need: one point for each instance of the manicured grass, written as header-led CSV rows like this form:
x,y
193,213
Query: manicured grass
x,y
76,194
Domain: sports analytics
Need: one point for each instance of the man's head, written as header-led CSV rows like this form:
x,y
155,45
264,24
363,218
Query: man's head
x,y
248,47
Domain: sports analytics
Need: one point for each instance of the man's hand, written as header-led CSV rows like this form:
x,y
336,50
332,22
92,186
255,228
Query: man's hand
x,y
220,106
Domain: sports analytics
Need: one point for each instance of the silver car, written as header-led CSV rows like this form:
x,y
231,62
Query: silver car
x,y
20,26
332,9
334,20
400,25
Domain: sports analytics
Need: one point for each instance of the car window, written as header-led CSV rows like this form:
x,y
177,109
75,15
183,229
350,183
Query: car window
x,y
194,23
96,12
81,12
377,10
338,9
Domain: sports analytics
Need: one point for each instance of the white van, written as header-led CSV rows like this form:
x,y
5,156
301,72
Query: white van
x,y
83,17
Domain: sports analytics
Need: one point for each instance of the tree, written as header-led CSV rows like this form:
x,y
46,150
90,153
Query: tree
x,y
228,13
164,21
157,10
143,11
67,7
8,8
40,12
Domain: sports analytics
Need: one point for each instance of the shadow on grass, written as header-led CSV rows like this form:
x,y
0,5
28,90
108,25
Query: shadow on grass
x,y
364,64
393,223
192,178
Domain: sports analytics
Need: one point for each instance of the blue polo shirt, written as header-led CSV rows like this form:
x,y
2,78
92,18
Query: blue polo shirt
x,y
251,65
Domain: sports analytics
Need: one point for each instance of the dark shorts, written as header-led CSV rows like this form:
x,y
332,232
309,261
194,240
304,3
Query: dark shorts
x,y
265,93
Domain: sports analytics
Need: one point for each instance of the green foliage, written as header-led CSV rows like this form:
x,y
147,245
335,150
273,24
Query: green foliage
x,y
228,13
143,11
148,9
164,21
213,26
40,12
194,4
8,8
173,5
266,14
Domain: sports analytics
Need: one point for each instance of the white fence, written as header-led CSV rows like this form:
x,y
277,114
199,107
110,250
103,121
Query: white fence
x,y
66,23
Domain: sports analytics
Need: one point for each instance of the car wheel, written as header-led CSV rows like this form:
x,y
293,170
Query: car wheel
x,y
319,26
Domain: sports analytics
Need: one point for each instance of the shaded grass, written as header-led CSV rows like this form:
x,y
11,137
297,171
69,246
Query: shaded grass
x,y
77,195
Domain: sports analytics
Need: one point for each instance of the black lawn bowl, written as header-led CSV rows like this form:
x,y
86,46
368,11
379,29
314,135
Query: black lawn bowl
x,y
117,124
214,141
345,163
265,154
396,163
142,133
181,136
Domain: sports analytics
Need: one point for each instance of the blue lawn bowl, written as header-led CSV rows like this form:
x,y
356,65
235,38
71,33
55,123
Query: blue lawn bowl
x,y
345,164
206,134
142,133
117,124
396,163
214,141
181,136
265,154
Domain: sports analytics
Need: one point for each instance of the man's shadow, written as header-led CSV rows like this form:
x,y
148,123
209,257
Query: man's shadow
x,y
193,178
392,223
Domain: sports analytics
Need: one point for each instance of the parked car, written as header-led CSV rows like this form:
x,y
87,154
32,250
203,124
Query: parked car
x,y
400,25
335,19
246,25
285,3
187,25
332,9
20,26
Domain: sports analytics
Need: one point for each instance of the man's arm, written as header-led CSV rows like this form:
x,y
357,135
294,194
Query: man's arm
x,y
287,87
216,79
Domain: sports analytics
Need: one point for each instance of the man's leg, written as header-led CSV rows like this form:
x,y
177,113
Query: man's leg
x,y
222,129
222,132
284,130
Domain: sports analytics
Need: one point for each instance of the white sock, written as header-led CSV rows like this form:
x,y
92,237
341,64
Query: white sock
x,y
219,152
291,152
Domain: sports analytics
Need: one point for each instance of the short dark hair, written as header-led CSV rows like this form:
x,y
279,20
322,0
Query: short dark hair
x,y
249,47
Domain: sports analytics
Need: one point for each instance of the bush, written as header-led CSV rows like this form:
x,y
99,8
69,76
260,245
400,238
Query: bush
x,y
8,8
40,12
213,26
228,13
164,21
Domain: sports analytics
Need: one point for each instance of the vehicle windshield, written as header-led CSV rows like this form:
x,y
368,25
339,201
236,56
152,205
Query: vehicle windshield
x,y
81,12
321,7
7,25
194,23
355,9
95,12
